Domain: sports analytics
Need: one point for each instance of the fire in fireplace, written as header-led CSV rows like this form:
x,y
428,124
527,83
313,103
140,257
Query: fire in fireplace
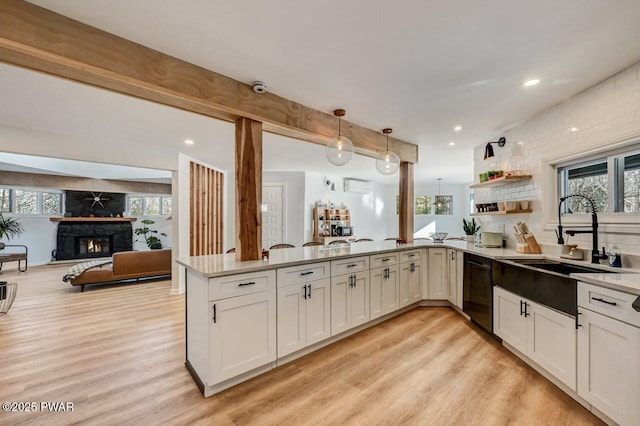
x,y
93,245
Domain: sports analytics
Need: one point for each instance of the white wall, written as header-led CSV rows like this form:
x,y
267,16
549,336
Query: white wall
x,y
39,236
162,225
426,224
368,216
607,115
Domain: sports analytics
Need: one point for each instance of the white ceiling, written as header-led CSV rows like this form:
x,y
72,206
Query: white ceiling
x,y
419,66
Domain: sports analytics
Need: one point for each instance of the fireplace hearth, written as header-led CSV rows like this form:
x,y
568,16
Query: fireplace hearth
x,y
88,239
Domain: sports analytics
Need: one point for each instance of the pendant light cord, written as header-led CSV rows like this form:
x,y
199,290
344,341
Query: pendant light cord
x,y
387,142
339,127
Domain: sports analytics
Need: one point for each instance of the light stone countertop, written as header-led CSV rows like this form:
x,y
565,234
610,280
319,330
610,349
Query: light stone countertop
x,y
219,265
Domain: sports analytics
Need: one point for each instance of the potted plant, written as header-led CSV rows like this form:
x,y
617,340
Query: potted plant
x,y
9,227
149,235
470,228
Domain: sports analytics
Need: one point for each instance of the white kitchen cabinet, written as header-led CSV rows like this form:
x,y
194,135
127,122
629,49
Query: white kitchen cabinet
x,y
455,269
242,334
410,290
383,291
609,354
349,301
546,336
438,274
304,315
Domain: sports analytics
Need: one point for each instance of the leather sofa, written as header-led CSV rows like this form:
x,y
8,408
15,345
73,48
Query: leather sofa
x,y
128,265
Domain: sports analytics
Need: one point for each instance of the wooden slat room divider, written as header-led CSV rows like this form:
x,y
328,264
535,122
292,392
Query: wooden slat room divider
x,y
206,210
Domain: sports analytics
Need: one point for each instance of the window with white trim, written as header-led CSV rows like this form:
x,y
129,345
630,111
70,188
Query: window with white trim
x,y
27,201
611,180
148,205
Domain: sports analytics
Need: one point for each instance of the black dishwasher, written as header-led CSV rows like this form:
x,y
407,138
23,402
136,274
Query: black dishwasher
x,y
478,290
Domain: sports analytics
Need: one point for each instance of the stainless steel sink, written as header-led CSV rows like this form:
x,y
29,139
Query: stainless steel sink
x,y
562,268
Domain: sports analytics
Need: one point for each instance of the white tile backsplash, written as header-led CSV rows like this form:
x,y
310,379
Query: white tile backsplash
x,y
604,114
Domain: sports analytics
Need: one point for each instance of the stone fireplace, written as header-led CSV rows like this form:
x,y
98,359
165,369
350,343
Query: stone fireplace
x,y
87,238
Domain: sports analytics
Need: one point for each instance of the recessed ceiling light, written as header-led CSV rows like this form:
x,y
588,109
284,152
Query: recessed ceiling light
x,y
457,128
188,141
573,129
530,83
452,143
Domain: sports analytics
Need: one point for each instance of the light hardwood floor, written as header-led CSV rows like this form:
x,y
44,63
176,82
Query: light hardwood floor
x,y
117,353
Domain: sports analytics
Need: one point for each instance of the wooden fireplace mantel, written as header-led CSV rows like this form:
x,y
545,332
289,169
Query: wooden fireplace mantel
x,y
93,219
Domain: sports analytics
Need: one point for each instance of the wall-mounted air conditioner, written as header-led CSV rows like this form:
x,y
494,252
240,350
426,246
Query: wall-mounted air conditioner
x,y
358,186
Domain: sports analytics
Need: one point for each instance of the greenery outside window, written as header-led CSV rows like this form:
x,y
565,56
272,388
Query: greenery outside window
x,y
423,205
443,205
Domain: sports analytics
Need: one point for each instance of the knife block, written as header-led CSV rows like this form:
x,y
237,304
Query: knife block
x,y
531,245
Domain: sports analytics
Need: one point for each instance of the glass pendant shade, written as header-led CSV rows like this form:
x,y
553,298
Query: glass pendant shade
x,y
339,150
387,163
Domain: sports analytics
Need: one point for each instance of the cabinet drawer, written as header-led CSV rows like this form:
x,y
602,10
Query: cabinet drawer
x,y
410,256
238,285
303,273
612,303
384,259
347,266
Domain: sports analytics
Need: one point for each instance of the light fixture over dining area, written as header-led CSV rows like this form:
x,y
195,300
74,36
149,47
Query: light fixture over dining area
x,y
387,162
340,149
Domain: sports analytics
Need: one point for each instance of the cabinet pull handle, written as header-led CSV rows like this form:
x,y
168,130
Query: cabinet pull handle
x,y
412,267
598,299
386,259
526,307
412,255
306,273
214,318
352,265
521,308
309,288
305,291
246,284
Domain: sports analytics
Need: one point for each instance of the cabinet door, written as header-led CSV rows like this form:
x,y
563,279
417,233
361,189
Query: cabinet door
x,y
551,342
318,309
358,300
340,309
375,292
452,268
410,286
460,278
242,334
509,322
390,291
608,367
291,319
438,273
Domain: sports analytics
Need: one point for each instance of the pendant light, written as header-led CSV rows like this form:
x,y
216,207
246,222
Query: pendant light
x,y
439,203
339,149
387,162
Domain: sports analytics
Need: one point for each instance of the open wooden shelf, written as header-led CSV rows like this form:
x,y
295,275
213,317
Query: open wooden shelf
x,y
501,181
93,219
500,213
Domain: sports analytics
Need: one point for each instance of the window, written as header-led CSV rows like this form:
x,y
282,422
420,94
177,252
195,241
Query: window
x,y
5,200
423,204
589,179
631,184
612,181
135,206
51,203
153,205
30,201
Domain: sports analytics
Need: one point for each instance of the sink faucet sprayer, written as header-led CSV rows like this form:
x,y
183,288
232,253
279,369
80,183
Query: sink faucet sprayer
x,y
595,253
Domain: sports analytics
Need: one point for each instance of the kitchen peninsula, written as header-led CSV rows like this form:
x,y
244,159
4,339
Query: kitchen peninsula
x,y
246,318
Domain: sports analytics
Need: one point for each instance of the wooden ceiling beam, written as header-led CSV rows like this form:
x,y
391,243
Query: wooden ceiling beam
x,y
39,39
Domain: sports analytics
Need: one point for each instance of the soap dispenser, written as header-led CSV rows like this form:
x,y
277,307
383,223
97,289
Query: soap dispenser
x,y
615,259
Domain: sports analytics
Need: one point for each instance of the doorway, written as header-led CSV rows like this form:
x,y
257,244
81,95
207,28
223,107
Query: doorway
x,y
274,197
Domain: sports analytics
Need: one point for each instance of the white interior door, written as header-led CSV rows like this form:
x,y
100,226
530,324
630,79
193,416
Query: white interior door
x,y
273,221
